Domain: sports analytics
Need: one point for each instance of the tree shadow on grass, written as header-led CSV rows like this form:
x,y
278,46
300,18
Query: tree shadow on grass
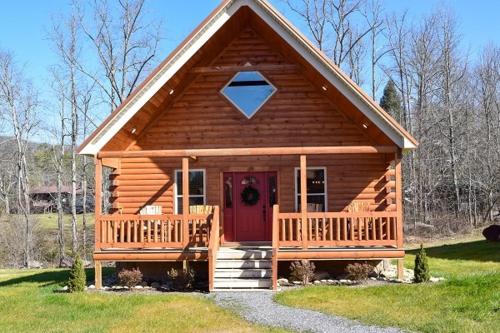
x,y
49,278
481,250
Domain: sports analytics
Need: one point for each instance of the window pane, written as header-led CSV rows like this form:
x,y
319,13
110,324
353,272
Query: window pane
x,y
315,181
195,182
228,192
179,205
315,203
248,91
273,199
193,201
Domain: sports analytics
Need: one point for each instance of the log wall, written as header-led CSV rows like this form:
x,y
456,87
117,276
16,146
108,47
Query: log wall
x,y
366,178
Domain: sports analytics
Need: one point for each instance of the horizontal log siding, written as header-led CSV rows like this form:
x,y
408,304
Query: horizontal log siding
x,y
363,177
298,114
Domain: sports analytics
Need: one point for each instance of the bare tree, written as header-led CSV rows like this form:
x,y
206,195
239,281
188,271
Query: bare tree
x,y
334,26
60,133
397,36
488,103
376,24
65,38
124,45
342,20
314,13
19,101
453,69
7,170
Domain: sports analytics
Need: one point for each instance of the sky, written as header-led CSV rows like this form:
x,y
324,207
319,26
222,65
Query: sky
x,y
24,25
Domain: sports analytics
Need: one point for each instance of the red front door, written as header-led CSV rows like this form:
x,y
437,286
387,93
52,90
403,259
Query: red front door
x,y
248,201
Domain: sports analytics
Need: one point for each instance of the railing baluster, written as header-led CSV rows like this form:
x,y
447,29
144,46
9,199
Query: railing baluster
x,y
380,225
283,234
331,228
367,228
297,230
388,228
141,230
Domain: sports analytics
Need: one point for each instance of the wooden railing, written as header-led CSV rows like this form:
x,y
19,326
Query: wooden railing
x,y
213,247
143,231
331,229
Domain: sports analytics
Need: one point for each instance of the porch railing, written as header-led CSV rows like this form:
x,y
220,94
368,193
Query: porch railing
x,y
147,231
335,229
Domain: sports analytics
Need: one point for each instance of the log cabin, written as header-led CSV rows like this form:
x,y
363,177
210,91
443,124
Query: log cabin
x,y
245,149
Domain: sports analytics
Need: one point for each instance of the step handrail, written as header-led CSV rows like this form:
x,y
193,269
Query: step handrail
x,y
275,246
213,247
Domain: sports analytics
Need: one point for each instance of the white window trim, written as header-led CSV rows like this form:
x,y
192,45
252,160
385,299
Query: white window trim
x,y
176,196
297,185
260,106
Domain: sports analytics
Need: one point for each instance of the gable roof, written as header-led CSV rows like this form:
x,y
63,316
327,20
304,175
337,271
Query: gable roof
x,y
183,53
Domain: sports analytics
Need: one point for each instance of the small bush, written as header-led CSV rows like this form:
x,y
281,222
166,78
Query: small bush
x,y
421,270
181,278
303,271
359,271
77,278
130,278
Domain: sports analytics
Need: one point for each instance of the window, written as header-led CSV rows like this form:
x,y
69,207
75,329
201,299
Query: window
x,y
316,189
248,91
197,189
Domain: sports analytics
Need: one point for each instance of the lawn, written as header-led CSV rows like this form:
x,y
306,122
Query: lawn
x,y
28,303
49,221
468,301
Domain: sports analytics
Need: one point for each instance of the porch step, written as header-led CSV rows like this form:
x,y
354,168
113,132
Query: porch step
x,y
243,268
243,263
243,273
243,254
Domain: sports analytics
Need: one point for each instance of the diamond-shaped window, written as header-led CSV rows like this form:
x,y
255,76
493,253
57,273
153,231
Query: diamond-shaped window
x,y
248,91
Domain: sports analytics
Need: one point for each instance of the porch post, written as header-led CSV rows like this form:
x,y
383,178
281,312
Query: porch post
x,y
97,226
400,265
399,198
303,199
98,274
185,201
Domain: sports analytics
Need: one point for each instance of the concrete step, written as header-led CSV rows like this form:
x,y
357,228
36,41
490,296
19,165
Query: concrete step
x,y
242,283
242,273
242,263
244,254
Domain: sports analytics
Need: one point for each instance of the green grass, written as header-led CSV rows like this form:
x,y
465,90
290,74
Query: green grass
x,y
468,301
28,303
49,221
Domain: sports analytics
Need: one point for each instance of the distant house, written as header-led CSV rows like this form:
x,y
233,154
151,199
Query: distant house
x,y
44,199
245,149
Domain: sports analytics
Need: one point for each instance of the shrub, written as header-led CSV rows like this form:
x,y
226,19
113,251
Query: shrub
x,y
421,270
77,278
181,278
302,270
359,271
130,277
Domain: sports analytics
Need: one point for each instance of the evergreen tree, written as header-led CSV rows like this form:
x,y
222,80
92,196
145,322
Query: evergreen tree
x,y
421,270
391,101
77,278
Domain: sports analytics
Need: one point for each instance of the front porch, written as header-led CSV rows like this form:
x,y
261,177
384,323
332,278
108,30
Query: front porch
x,y
327,235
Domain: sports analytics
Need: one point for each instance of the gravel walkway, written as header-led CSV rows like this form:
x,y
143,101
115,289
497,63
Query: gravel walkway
x,y
259,307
